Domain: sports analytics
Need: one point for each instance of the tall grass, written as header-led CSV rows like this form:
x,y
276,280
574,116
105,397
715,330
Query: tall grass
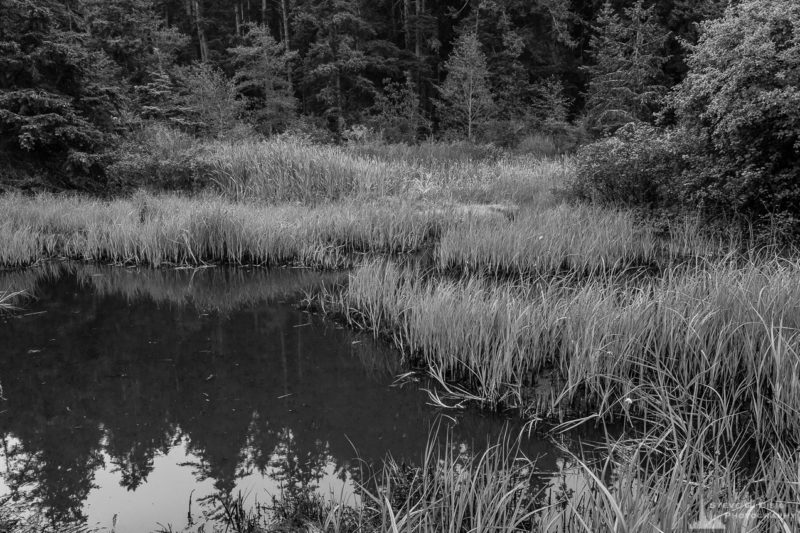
x,y
450,491
288,169
725,335
171,230
643,488
578,239
447,489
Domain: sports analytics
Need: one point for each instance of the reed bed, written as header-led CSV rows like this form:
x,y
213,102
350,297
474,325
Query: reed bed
x,y
640,488
579,239
446,489
286,169
454,491
170,230
727,335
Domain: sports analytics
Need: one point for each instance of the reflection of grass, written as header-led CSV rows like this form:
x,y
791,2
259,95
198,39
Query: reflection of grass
x,y
9,299
219,289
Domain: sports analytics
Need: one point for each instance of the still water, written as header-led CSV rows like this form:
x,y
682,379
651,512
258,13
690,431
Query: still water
x,y
128,392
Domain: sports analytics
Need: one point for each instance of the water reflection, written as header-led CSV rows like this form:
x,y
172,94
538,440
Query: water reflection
x,y
132,378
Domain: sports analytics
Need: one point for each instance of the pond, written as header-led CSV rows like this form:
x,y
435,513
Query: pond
x,y
131,395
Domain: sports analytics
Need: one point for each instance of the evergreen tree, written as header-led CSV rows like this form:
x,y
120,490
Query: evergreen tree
x,y
550,104
58,102
133,35
466,94
399,115
342,49
625,81
261,76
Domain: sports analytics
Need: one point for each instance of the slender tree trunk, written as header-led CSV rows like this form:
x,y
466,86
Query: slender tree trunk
x,y
286,37
238,17
264,12
417,36
338,102
407,23
201,34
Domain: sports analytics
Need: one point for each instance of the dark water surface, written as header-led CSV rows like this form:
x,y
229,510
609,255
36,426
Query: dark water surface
x,y
126,390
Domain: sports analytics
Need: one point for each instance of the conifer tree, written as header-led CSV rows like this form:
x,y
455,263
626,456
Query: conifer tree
x,y
337,58
399,115
466,93
58,101
625,81
261,77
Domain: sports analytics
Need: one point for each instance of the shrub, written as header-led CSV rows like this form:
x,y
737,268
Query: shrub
x,y
742,99
637,167
159,157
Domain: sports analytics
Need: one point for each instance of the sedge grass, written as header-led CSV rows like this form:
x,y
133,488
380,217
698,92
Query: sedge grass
x,y
286,169
727,330
171,230
579,239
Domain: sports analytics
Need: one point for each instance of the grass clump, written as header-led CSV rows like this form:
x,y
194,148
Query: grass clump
x,y
580,239
729,331
171,230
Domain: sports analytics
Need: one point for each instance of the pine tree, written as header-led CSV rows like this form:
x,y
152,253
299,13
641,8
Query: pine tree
x,y
550,104
466,95
58,101
625,82
398,113
337,58
261,77
133,35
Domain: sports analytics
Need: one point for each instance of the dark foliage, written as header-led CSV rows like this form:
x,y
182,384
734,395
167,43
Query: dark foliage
x,y
58,101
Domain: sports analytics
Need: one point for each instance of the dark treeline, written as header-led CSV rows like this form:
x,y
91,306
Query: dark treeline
x,y
77,75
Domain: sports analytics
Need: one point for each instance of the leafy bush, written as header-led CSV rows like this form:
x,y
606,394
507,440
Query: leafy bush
x,y
638,166
159,157
741,99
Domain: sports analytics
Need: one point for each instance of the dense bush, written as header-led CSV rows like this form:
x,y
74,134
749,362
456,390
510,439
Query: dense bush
x,y
639,166
159,157
741,99
736,150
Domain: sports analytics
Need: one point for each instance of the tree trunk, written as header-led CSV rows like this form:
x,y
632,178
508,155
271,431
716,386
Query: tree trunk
x,y
238,17
286,40
201,34
407,23
417,36
264,12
